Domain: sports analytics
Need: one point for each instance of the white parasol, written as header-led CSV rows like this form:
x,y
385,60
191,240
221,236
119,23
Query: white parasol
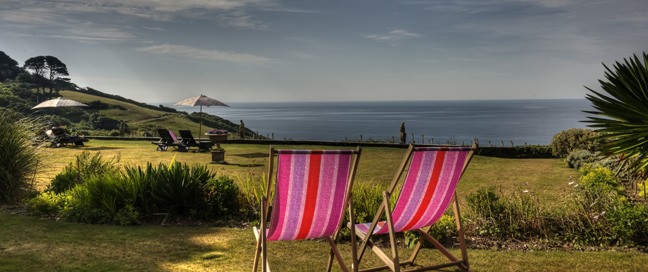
x,y
201,100
59,102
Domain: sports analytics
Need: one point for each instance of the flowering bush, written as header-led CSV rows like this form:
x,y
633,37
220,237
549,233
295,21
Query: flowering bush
x,y
217,131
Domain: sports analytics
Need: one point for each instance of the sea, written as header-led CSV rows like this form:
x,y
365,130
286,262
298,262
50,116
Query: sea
x,y
460,121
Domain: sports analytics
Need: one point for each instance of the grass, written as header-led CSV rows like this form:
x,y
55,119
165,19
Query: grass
x,y
31,244
545,177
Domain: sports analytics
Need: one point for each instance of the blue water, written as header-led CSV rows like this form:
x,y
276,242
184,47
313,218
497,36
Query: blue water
x,y
520,121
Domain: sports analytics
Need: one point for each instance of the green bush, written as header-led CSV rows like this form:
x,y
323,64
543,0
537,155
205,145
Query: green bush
x,y
577,158
87,165
485,202
446,226
19,158
179,188
518,215
222,196
45,204
601,179
63,181
574,139
630,224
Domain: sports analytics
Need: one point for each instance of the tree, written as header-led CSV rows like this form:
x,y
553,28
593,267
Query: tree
x,y
50,69
8,67
626,106
56,68
37,64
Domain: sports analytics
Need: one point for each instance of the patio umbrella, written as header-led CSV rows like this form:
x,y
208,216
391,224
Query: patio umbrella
x,y
201,100
59,102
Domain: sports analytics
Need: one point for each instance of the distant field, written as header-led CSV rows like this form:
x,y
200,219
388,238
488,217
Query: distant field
x,y
545,177
136,116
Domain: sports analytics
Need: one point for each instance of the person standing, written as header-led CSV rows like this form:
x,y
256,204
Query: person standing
x,y
241,130
403,135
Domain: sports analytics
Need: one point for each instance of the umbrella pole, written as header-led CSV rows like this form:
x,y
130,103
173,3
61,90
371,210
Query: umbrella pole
x,y
200,122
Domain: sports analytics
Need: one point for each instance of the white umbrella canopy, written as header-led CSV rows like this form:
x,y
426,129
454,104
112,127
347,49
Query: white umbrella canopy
x,y
201,100
59,102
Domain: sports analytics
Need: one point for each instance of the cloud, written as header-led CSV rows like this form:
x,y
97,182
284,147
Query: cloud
x,y
239,19
195,53
155,28
393,37
44,23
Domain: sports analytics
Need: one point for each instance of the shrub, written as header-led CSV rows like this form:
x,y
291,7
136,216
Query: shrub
x,y
252,190
45,204
577,158
87,165
179,188
601,179
63,181
630,224
574,139
444,227
222,196
19,158
518,215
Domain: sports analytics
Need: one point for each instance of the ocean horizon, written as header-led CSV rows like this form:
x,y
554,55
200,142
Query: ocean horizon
x,y
520,121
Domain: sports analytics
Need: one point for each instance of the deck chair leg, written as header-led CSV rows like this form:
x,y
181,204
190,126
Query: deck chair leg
x,y
257,252
460,231
336,253
392,235
354,249
330,261
418,247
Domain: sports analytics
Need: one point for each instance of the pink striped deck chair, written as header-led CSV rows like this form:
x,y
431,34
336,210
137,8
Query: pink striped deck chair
x,y
427,190
312,189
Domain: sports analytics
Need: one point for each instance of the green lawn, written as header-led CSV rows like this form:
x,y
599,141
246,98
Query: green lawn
x,y
32,244
545,177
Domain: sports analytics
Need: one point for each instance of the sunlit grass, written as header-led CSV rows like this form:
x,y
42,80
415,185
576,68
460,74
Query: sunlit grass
x,y
31,244
545,177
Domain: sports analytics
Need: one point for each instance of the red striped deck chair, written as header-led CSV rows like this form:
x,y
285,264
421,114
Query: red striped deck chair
x,y
312,189
427,190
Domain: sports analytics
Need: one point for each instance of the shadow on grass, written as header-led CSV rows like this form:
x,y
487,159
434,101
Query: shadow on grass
x,y
252,155
99,148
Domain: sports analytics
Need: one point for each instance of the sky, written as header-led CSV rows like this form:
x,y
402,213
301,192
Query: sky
x,y
329,50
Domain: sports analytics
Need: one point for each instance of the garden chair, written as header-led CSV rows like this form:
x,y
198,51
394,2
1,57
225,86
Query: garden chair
x,y
168,138
427,190
57,137
189,141
312,189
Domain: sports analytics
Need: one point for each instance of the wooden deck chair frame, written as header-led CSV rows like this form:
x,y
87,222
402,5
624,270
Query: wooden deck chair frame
x,y
260,234
393,262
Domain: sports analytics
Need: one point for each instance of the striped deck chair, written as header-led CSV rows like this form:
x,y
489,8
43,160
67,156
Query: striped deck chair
x,y
427,190
313,187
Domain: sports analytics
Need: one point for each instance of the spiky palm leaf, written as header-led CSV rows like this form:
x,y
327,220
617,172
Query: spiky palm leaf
x,y
626,106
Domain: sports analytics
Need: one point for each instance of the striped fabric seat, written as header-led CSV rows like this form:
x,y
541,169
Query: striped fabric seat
x,y
429,186
309,193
